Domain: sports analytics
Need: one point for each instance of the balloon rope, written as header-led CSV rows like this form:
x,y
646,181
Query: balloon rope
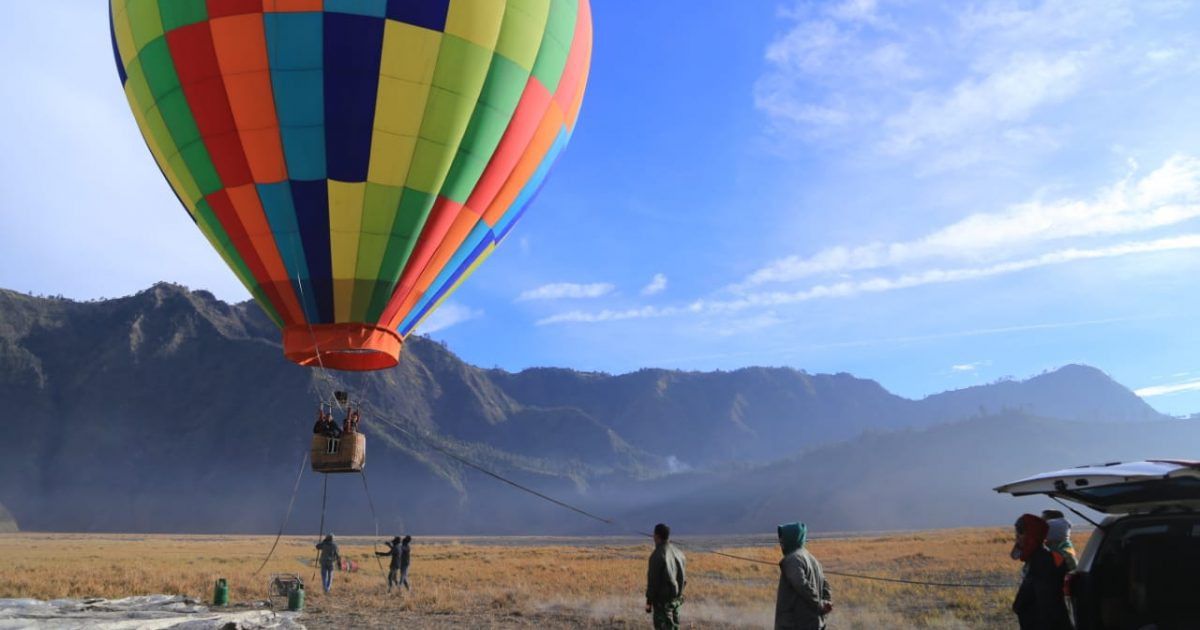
x,y
321,536
287,515
613,523
374,516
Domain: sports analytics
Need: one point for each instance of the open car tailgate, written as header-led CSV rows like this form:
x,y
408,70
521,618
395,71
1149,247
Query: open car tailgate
x,y
1119,487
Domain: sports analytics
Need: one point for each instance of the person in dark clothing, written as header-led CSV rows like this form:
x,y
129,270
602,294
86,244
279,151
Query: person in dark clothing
x,y
329,559
803,599
325,425
351,423
665,578
400,552
1039,604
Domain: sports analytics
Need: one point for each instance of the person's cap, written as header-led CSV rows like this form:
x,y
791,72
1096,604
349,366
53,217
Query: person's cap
x,y
662,531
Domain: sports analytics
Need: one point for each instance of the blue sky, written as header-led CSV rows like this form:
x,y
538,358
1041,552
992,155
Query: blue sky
x,y
930,195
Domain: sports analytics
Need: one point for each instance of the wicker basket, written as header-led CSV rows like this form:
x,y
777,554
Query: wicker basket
x,y
337,455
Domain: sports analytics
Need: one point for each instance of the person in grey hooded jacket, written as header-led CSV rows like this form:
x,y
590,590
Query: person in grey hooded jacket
x,y
666,576
329,559
803,599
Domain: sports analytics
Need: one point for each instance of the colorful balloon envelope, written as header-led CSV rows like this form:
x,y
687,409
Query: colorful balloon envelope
x,y
353,161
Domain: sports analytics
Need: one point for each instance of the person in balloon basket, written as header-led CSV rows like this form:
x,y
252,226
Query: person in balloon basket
x,y
329,560
802,600
401,553
665,579
351,422
1039,604
325,425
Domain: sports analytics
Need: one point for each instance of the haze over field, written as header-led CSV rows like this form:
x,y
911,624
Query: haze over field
x,y
138,415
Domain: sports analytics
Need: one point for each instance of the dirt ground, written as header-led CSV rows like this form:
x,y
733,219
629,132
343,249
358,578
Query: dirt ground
x,y
530,582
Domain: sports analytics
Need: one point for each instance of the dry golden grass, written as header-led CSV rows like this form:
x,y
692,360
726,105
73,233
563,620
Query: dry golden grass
x,y
580,584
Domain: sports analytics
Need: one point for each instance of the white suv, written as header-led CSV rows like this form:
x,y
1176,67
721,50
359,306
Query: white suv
x,y
1141,568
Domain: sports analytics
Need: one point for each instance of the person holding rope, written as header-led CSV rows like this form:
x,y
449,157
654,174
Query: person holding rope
x,y
665,579
400,552
803,599
329,559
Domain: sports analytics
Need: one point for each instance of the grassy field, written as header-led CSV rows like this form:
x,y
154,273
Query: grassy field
x,y
468,582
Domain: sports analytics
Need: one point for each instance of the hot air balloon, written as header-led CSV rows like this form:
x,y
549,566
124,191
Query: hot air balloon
x,y
353,161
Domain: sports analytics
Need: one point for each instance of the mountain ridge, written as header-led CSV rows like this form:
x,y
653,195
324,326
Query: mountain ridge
x,y
138,409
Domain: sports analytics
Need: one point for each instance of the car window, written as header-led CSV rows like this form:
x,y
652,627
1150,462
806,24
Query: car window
x,y
1146,530
1149,492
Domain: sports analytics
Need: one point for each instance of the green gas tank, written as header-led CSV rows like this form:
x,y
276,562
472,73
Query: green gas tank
x,y
221,593
296,598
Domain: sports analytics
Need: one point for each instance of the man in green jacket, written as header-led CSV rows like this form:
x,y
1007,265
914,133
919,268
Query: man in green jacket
x,y
803,598
665,580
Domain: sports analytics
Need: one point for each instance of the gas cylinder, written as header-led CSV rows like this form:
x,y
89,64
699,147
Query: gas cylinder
x,y
221,593
296,598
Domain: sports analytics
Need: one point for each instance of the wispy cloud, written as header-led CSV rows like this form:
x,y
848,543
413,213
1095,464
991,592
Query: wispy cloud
x,y
1008,95
1167,196
657,285
969,368
1170,388
767,299
905,339
958,84
447,315
562,290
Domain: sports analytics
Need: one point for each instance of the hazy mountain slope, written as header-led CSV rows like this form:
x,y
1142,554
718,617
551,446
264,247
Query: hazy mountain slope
x,y
8,524
936,477
169,410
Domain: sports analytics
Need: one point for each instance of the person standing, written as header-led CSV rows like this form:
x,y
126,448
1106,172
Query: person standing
x,y
1039,604
329,559
400,552
405,561
803,598
665,578
1058,539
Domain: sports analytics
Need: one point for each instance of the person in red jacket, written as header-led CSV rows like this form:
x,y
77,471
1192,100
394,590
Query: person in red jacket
x,y
1039,604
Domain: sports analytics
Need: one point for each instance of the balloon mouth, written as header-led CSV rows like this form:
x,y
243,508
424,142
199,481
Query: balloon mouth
x,y
353,347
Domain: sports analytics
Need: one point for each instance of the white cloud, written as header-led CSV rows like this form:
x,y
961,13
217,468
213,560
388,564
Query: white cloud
x,y
1008,95
447,315
657,285
950,85
561,290
969,368
1171,388
852,288
1164,197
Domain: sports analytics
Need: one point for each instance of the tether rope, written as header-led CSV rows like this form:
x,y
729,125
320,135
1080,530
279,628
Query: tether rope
x,y
321,535
287,515
374,543
613,523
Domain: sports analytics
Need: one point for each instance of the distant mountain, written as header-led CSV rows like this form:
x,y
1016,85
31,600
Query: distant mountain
x,y
170,410
914,479
1072,392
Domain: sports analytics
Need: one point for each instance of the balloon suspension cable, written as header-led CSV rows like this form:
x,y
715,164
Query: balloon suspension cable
x,y
324,373
287,515
375,517
423,437
321,536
